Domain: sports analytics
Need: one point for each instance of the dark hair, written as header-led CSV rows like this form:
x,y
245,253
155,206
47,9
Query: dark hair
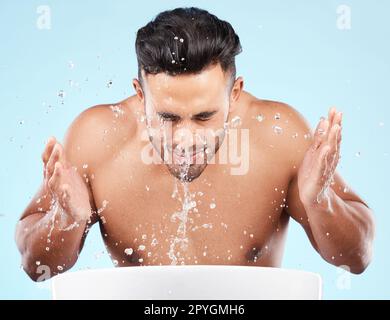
x,y
186,40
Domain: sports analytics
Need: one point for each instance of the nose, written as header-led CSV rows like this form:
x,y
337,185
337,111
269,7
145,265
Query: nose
x,y
187,138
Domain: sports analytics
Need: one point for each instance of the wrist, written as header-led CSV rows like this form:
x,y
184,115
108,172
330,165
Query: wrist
x,y
322,202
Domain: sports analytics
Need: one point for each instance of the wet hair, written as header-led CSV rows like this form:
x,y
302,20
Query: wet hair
x,y
186,40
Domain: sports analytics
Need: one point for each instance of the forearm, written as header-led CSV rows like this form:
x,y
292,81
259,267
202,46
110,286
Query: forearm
x,y
343,231
49,239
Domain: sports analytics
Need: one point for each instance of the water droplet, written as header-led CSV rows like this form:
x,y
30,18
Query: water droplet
x,y
277,116
182,59
327,234
85,166
251,235
144,236
61,94
21,122
47,248
260,117
176,38
115,262
141,247
60,268
37,263
129,251
295,135
345,190
358,154
181,40
235,122
212,205
140,260
109,84
277,129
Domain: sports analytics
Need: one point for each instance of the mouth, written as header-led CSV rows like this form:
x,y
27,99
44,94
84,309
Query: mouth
x,y
187,158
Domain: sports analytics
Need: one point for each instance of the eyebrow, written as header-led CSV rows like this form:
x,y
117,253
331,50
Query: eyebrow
x,y
203,114
169,115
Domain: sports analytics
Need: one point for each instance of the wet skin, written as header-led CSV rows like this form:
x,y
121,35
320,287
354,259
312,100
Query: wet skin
x,y
239,219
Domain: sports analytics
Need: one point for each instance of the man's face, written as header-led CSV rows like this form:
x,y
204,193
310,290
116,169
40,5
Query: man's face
x,y
186,118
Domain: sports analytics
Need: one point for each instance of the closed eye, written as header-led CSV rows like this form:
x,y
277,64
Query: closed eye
x,y
204,116
166,116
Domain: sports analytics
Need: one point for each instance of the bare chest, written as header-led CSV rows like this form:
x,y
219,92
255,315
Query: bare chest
x,y
148,217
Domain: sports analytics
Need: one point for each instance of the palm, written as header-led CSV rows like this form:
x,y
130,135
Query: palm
x,y
72,193
316,172
67,186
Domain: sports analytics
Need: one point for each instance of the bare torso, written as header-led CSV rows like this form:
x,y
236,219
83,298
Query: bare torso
x,y
237,220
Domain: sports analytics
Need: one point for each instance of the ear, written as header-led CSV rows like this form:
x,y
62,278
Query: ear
x,y
138,90
235,93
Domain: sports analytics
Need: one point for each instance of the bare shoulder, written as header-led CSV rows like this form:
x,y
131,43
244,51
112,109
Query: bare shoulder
x,y
281,126
99,132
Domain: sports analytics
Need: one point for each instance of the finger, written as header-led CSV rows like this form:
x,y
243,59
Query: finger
x,y
317,134
321,164
55,178
338,118
325,131
48,149
334,149
331,114
55,156
333,137
336,141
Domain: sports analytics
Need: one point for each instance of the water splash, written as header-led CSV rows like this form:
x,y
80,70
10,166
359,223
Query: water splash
x,y
236,122
61,94
117,110
187,205
260,117
277,129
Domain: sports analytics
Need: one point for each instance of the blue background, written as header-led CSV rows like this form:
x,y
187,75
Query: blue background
x,y
292,52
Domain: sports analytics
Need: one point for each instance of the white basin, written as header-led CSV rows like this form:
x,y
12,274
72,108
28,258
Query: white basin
x,y
192,282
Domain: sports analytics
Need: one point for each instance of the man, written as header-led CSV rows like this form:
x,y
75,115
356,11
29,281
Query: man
x,y
192,169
